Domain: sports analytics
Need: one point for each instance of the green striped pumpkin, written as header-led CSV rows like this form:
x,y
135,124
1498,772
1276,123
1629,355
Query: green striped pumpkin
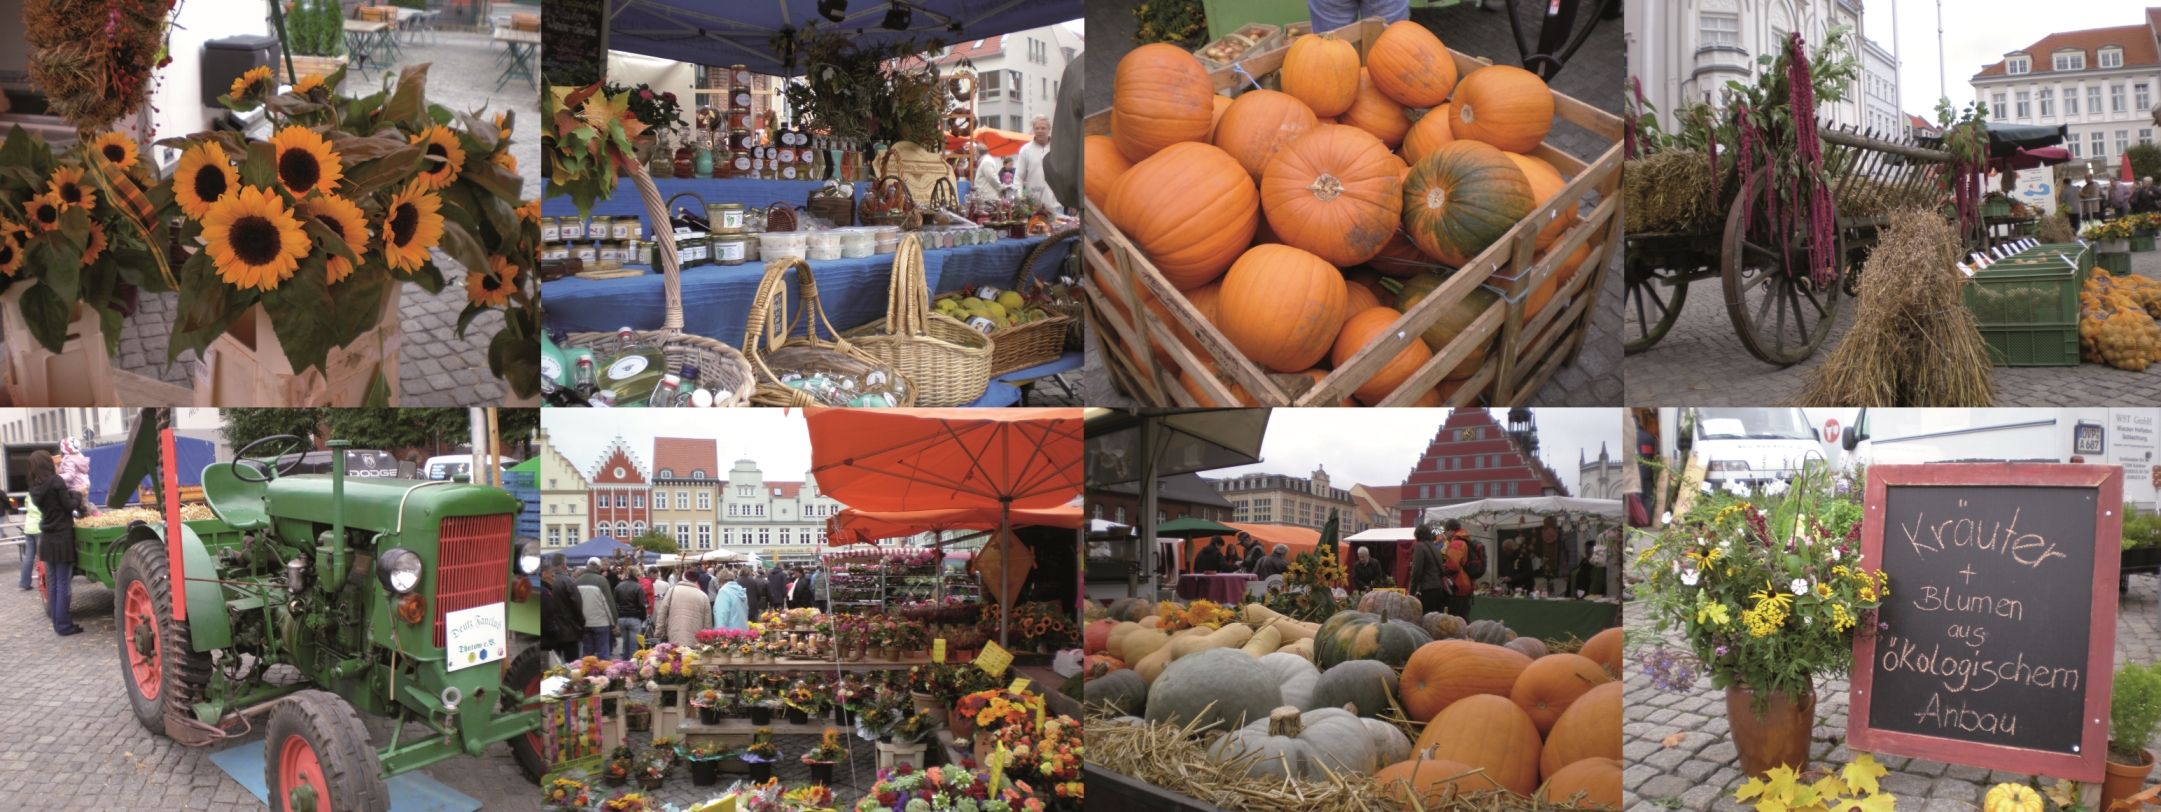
x,y
1391,605
1352,635
1460,199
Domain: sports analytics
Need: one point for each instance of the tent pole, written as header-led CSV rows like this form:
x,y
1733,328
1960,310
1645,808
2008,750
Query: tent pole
x,y
1145,523
1005,570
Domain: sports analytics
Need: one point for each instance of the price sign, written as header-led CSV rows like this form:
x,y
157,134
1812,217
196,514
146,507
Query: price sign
x,y
574,41
993,659
1019,684
937,650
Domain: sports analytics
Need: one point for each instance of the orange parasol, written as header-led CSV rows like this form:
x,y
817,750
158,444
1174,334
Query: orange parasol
x,y
854,525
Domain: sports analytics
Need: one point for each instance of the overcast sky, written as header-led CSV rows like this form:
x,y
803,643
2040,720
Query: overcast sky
x,y
1975,34
779,441
1378,446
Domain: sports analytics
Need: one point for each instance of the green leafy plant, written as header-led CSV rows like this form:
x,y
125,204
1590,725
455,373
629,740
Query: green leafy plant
x,y
884,91
1179,22
315,27
657,109
1849,789
2134,711
2145,160
2140,530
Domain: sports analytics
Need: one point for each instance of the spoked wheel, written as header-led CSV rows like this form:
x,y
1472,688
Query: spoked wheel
x,y
523,673
316,758
1655,298
158,662
1780,314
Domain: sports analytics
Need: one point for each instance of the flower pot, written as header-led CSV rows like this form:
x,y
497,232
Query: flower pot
x,y
650,783
79,375
798,716
667,699
247,365
760,771
928,705
1779,736
962,724
761,716
615,780
2112,246
705,773
708,716
892,653
2123,780
966,655
843,717
821,772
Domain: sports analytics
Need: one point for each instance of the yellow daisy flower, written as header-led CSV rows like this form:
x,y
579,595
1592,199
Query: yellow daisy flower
x,y
492,287
249,82
411,226
44,211
67,184
346,219
116,149
305,162
11,253
440,166
205,177
308,81
253,239
97,245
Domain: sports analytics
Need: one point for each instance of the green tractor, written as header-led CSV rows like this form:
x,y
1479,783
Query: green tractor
x,y
388,596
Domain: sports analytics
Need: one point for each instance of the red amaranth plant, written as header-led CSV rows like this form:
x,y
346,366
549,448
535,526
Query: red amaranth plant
x,y
1808,147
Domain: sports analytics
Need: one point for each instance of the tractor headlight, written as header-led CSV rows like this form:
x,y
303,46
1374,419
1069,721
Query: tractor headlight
x,y
398,569
529,557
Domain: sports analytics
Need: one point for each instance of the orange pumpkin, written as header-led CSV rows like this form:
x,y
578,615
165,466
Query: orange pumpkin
x,y
1215,116
1097,634
1545,183
1411,65
1160,97
1462,199
1317,374
1491,732
1428,400
1113,298
1259,123
1322,71
1360,298
1427,134
1334,192
1329,119
1401,258
1281,307
1503,105
1376,113
1205,299
1604,648
1538,298
1190,208
1444,672
1428,781
1105,164
1590,728
1361,330
1454,384
1098,665
1598,778
1552,683
1238,390
1372,283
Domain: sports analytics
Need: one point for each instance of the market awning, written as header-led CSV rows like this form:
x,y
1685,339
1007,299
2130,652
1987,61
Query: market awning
x,y
707,33
1384,534
1500,511
1188,527
1187,440
2004,140
934,459
852,525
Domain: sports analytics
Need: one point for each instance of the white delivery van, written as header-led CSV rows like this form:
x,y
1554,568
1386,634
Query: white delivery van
x,y
1750,447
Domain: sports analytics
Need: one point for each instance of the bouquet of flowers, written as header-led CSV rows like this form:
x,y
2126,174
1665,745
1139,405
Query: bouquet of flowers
x,y
995,709
627,802
849,694
668,664
707,698
709,751
912,728
802,698
1173,618
912,558
655,764
762,749
619,762
1309,587
567,792
2121,228
1043,623
801,616
755,696
1051,755
828,750
651,107
663,747
904,788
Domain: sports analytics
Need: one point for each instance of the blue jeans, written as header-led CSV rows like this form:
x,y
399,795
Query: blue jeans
x,y
30,557
59,580
626,630
1329,15
596,642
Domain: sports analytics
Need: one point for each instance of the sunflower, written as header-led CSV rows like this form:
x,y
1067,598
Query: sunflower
x,y
530,211
411,226
444,157
248,82
308,81
305,162
11,253
492,287
253,239
67,184
345,218
44,211
97,245
505,160
204,178
502,119
117,149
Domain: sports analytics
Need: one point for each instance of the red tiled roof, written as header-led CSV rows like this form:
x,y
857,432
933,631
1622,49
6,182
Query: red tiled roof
x,y
787,489
1386,495
683,455
2137,41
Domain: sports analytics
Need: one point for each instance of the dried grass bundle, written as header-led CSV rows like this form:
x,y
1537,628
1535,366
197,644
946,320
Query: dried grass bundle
x,y
2055,230
1913,342
1670,192
123,516
93,58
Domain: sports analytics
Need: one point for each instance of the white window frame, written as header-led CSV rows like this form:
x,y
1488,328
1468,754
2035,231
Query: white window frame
x,y
2024,101
2048,102
2003,107
705,535
682,535
2070,101
705,500
2142,96
2115,98
2018,65
2071,61
2111,58
2123,141
2100,145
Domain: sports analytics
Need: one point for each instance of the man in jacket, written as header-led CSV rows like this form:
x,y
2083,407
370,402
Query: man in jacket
x,y
776,589
57,506
562,619
1210,560
683,613
1429,577
1252,557
758,594
1276,563
1367,573
630,614
805,592
599,610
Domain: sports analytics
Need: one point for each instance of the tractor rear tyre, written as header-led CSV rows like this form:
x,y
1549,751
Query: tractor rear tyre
x,y
158,661
316,758
523,674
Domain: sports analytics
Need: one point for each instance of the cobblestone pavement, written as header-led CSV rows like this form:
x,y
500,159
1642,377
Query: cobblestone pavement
x,y
1702,363
1595,379
1701,770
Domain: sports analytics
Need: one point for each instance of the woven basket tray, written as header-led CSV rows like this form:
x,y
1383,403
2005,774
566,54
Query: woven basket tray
x,y
949,362
832,202
769,339
1037,342
877,207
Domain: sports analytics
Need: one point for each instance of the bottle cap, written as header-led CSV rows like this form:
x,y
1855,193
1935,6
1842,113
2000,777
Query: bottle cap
x,y
689,372
623,332
701,399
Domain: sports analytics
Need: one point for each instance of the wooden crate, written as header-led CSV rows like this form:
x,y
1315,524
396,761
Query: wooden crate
x,y
80,374
247,366
1526,351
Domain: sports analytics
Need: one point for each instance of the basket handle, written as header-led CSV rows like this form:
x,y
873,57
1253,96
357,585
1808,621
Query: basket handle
x,y
769,325
791,208
907,303
680,195
1027,263
671,272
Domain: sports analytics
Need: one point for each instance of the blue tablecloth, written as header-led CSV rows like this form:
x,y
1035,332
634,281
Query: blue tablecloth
x,y
716,298
712,190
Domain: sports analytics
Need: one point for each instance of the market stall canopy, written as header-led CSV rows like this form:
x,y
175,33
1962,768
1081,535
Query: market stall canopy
x,y
714,556
1187,440
602,547
2004,140
1106,527
1001,142
1188,527
1299,539
1384,534
1501,511
931,459
703,32
2030,158
852,525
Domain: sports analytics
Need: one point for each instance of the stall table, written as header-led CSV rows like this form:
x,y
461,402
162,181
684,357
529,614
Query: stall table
x,y
1227,588
747,191
522,45
1547,619
366,38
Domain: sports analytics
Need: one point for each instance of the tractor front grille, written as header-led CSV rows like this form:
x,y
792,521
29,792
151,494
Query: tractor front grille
x,y
473,565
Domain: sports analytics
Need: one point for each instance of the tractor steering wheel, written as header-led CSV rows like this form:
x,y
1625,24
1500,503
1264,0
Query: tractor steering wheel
x,y
269,470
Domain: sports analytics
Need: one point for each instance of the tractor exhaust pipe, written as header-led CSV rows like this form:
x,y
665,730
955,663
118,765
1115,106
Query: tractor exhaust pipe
x,y
338,562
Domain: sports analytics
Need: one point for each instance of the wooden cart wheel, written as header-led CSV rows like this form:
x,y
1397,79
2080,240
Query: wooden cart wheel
x,y
1655,298
1780,315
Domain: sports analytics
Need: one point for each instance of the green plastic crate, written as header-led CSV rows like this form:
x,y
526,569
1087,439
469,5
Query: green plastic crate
x,y
2045,345
2013,293
2117,264
2142,243
2082,252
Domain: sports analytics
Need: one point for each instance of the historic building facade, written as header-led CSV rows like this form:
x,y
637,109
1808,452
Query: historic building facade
x,y
1472,457
2101,83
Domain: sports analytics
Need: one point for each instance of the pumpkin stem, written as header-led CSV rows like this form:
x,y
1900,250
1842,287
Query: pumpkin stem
x,y
1463,112
1284,722
1326,187
1436,198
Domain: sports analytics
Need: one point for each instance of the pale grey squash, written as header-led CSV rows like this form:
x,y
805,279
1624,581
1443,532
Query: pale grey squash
x,y
1295,676
1302,745
1221,686
1390,744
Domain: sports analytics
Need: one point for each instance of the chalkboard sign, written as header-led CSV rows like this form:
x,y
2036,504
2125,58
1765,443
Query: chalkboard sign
x,y
1997,641
573,41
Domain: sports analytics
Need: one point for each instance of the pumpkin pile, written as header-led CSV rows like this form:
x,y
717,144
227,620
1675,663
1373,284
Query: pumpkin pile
x,y
2115,324
1322,702
1278,213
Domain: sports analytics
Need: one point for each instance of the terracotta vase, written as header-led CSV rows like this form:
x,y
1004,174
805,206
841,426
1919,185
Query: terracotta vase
x,y
2124,781
1779,736
963,725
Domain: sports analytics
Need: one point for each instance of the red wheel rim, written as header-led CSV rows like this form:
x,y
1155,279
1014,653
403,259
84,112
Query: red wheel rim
x,y
532,690
297,767
140,618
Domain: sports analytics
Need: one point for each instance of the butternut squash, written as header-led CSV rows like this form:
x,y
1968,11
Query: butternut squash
x,y
1117,637
1152,665
1150,621
1292,630
1302,648
1264,642
1230,636
1141,643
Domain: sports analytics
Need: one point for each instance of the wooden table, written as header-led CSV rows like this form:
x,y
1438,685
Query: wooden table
x,y
365,37
522,46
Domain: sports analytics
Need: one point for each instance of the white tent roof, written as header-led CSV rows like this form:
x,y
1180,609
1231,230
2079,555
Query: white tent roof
x,y
716,556
1105,526
1530,505
1384,534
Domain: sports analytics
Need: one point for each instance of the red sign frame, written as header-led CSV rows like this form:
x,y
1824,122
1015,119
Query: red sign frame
x,y
2087,764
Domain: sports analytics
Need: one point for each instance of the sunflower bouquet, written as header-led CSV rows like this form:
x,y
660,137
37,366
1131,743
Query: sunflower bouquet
x,y
344,201
2121,228
1309,587
76,227
566,792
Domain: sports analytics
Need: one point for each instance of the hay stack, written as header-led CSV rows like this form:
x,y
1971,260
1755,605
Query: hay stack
x,y
2055,230
1670,192
1913,343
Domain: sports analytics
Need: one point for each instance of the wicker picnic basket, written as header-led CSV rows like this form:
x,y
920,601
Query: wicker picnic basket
x,y
769,340
949,362
780,217
833,201
1037,342
889,203
945,195
718,364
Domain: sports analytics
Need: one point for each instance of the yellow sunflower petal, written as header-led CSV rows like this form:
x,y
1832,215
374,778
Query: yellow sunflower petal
x,y
249,81
43,212
491,288
116,149
67,185
205,176
253,239
411,225
11,254
308,81
444,159
305,162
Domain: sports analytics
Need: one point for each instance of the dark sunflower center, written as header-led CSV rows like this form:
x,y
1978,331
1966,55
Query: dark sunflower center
x,y
209,184
255,240
47,213
491,283
299,169
403,224
115,153
439,157
71,194
7,253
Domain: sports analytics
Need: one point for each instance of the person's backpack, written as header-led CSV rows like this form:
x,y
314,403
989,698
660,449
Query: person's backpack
x,y
1474,559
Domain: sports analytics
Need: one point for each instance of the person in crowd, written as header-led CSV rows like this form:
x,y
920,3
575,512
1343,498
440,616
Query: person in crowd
x,y
2120,198
2146,198
755,590
822,587
645,584
562,617
804,593
1005,172
2089,199
1516,564
1429,575
2067,196
1329,15
630,614
1028,165
661,585
1365,573
731,606
984,183
1556,558
1210,559
614,573
58,504
74,467
683,613
597,598
30,539
1589,576
776,589
1252,557
1455,548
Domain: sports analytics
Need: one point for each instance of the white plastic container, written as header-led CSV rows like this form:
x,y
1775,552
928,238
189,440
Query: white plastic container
x,y
773,245
856,241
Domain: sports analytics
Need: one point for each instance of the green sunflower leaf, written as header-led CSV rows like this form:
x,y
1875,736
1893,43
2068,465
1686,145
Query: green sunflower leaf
x,y
46,313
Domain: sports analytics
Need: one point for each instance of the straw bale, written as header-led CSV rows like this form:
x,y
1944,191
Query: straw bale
x,y
1670,192
1913,342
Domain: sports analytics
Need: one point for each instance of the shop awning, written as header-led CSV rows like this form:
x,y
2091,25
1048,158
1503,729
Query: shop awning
x,y
1504,511
1001,142
1188,527
852,525
707,33
937,459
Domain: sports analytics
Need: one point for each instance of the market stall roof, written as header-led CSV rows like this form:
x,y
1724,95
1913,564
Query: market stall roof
x,y
1001,142
703,32
1188,527
2005,140
1299,539
1106,526
601,547
852,525
1187,440
1502,511
932,459
1384,534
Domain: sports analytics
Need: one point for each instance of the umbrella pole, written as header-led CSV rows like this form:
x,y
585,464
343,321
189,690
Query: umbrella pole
x,y
1145,524
1005,571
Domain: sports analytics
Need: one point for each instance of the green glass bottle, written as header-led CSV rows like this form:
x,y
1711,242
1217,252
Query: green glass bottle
x,y
554,366
634,371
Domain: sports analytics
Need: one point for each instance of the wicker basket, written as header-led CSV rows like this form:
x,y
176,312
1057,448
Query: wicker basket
x,y
945,195
833,201
769,340
949,362
1037,342
717,362
889,203
780,217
